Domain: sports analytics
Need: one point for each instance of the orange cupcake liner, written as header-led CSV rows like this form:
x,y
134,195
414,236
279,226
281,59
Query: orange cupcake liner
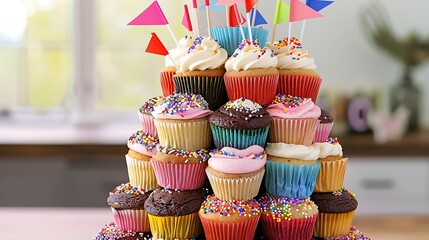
x,y
333,224
167,84
331,175
293,130
241,230
258,89
301,86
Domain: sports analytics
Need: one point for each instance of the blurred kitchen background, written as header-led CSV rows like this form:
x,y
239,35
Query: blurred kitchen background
x,y
73,74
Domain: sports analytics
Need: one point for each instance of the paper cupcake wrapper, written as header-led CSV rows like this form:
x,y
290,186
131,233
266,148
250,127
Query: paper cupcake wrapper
x,y
293,130
190,135
289,180
331,175
240,139
217,230
180,176
295,229
211,88
258,89
229,37
333,224
323,131
148,125
132,219
301,86
172,227
167,84
141,174
236,188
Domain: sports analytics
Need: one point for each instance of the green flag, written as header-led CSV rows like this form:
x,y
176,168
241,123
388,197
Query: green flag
x,y
282,12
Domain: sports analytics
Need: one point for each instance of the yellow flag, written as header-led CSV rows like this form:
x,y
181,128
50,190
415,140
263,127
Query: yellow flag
x,y
282,12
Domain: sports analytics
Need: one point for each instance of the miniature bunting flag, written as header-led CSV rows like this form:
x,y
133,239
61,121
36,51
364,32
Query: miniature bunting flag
x,y
299,11
235,17
186,20
155,46
224,2
250,4
318,5
152,15
282,12
259,19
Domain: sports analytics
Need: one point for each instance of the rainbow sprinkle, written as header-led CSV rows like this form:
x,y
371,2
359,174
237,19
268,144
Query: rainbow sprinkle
x,y
290,101
128,189
149,105
243,105
261,155
354,234
332,140
222,208
144,139
202,155
340,192
178,103
112,231
281,208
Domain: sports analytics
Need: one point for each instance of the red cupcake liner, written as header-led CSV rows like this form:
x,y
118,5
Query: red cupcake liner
x,y
148,124
167,84
216,230
295,229
258,89
301,86
132,219
298,131
322,132
186,176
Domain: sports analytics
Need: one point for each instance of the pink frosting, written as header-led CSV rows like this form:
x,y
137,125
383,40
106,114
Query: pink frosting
x,y
143,143
193,113
231,160
304,109
142,149
181,106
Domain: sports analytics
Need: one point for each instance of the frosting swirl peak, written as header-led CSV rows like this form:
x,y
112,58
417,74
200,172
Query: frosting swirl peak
x,y
249,55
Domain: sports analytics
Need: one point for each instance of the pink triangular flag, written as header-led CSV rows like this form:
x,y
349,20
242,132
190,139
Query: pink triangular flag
x,y
186,20
224,2
300,11
152,15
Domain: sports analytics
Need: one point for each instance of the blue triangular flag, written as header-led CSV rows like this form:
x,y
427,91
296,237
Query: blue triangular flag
x,y
213,6
318,5
259,20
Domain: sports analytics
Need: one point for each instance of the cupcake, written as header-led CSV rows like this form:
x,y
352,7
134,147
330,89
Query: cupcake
x,y
287,218
127,203
336,211
230,37
291,170
251,73
295,120
146,118
240,124
141,148
297,75
180,169
112,231
324,128
201,71
229,220
354,234
236,174
332,166
181,120
166,74
174,214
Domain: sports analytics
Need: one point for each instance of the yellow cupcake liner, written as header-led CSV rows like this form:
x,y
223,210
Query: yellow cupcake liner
x,y
175,227
236,188
141,174
331,175
190,135
333,224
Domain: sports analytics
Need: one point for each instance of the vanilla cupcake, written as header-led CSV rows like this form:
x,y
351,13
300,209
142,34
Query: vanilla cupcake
x,y
146,118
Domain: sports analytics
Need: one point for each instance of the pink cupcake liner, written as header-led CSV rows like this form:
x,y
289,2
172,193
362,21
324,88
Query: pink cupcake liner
x,y
216,230
298,131
132,219
295,229
301,86
148,124
322,132
167,84
184,176
258,89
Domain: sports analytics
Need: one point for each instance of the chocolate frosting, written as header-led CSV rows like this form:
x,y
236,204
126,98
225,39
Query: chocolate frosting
x,y
166,202
325,117
122,200
330,203
241,119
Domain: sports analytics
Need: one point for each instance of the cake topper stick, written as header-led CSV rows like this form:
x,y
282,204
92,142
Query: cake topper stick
x,y
249,5
228,23
254,11
281,15
186,20
155,46
197,21
207,3
299,11
316,5
153,15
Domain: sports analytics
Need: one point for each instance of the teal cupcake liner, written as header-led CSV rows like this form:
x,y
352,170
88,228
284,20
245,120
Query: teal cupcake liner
x,y
230,37
240,139
290,180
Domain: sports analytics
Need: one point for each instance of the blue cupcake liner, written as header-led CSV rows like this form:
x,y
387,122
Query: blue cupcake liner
x,y
230,37
240,139
290,180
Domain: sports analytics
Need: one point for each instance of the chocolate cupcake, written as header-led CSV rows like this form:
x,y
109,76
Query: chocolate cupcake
x,y
176,209
127,203
112,231
240,124
324,128
336,211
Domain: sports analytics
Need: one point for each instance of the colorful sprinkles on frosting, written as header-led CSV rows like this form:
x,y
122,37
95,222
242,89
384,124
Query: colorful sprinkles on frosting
x,y
354,234
144,139
112,231
290,101
178,103
255,43
295,44
149,105
281,208
202,155
332,140
128,189
261,155
222,208
243,105
340,192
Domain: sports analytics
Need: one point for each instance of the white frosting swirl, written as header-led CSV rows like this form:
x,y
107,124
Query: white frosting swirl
x,y
301,152
329,149
248,55
179,52
292,56
205,53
